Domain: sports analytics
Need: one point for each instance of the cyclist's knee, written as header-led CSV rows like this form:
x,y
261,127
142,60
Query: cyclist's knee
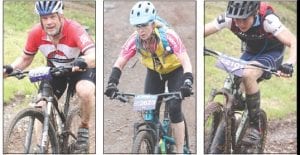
x,y
252,74
175,111
85,89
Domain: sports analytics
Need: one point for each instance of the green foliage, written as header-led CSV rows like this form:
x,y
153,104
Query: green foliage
x,y
278,95
18,18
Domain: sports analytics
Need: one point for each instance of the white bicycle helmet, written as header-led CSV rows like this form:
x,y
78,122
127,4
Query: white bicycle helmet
x,y
241,9
46,7
142,12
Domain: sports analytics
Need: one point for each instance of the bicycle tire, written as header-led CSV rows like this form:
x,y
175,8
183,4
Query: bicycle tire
x,y
32,114
143,137
71,128
212,118
186,137
264,130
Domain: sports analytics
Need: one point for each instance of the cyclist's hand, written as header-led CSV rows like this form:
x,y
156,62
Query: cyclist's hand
x,y
79,64
7,69
286,70
111,90
186,88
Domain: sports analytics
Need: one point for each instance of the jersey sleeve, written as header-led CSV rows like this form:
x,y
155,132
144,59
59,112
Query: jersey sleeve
x,y
82,38
222,21
175,42
129,47
273,25
32,42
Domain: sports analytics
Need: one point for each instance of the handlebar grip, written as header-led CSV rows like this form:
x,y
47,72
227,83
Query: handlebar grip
x,y
122,98
61,71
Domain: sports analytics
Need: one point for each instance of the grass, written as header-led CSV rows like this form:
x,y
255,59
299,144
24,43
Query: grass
x,y
278,95
19,16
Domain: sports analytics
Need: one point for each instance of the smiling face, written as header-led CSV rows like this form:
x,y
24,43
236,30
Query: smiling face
x,y
145,30
51,24
244,24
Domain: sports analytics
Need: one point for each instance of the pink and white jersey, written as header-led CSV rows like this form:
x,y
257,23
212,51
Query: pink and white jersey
x,y
74,41
129,48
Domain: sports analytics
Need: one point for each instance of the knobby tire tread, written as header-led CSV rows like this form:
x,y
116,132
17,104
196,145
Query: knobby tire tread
x,y
140,137
75,111
214,110
38,114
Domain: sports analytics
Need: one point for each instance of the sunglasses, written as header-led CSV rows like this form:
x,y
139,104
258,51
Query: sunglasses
x,y
143,25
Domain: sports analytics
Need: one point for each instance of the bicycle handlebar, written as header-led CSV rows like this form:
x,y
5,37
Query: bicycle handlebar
x,y
125,97
41,73
209,52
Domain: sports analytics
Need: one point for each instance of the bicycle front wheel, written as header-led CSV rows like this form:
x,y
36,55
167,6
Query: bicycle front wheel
x,y
24,132
212,119
264,130
186,148
72,123
143,143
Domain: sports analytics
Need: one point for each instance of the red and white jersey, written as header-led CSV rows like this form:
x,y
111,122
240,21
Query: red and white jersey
x,y
73,42
129,48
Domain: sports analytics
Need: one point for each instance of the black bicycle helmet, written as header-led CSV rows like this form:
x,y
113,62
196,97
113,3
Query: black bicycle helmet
x,y
241,9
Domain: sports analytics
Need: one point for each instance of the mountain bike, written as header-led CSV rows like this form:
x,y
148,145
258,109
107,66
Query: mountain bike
x,y
153,135
44,129
227,120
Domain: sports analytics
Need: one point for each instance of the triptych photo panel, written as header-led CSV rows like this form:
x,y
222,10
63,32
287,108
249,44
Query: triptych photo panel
x,y
172,77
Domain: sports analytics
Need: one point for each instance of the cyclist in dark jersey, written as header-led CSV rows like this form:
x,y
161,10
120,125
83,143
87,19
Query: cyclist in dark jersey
x,y
264,37
63,42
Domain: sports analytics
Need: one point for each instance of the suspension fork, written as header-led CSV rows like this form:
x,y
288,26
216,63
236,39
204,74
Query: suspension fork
x,y
47,114
47,93
241,126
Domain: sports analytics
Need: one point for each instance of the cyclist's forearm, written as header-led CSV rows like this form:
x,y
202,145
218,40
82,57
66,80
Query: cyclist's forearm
x,y
89,58
209,29
22,62
185,62
120,62
293,52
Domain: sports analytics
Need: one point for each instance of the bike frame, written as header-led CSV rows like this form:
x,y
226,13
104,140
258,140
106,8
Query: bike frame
x,y
152,124
233,98
55,115
158,128
229,117
48,96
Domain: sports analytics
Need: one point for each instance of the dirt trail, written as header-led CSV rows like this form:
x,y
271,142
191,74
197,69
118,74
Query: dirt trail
x,y
282,135
119,118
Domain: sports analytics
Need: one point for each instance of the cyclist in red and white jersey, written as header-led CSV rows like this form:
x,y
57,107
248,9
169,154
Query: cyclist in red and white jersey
x,y
265,36
63,42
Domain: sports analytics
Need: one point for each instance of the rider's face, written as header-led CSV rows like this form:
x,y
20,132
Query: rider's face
x,y
145,30
244,24
51,24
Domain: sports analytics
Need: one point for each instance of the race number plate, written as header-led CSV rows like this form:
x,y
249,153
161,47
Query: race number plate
x,y
144,102
232,65
39,74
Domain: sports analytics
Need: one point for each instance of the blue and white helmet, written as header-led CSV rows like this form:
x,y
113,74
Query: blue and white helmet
x,y
142,12
46,7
